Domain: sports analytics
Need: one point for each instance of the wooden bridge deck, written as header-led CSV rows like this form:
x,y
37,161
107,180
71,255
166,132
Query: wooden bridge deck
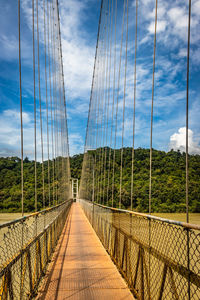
x,y
81,268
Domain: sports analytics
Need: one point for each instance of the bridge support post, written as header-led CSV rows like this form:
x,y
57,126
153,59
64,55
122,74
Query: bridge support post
x,y
92,214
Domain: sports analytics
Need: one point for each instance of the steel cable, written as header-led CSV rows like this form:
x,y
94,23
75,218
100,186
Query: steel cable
x,y
135,76
34,91
152,102
124,104
117,103
108,91
49,33
40,100
187,108
103,93
113,103
21,110
47,103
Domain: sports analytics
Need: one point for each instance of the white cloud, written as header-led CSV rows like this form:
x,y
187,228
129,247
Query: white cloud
x,y
8,47
78,62
182,52
10,135
178,17
196,7
81,110
9,44
161,10
172,22
178,141
195,53
161,26
76,143
78,54
15,115
78,49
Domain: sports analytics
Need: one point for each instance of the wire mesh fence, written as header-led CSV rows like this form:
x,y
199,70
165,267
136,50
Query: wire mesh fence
x,y
160,259
26,246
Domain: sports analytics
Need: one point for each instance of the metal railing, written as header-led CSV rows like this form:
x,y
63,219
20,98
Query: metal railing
x,y
159,258
26,246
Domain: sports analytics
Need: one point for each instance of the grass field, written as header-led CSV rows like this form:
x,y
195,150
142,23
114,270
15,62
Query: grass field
x,y
194,218
6,217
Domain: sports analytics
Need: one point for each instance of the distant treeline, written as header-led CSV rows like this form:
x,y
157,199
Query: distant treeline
x,y
168,180
10,183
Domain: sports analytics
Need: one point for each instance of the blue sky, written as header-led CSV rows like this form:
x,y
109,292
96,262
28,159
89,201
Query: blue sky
x,y
79,23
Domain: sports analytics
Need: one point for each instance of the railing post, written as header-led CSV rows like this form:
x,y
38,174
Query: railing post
x,y
21,273
188,261
124,252
7,285
142,273
40,257
44,220
10,285
92,214
36,225
164,274
30,271
149,257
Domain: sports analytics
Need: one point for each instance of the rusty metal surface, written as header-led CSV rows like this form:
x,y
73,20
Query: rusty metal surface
x,y
81,268
158,259
26,245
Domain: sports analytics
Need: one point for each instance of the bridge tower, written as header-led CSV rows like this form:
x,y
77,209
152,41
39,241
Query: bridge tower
x,y
74,189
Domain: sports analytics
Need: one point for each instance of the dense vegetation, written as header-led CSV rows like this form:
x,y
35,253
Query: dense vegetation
x,y
76,166
10,184
168,181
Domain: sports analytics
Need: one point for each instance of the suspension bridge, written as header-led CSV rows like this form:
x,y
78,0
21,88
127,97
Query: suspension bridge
x,y
88,239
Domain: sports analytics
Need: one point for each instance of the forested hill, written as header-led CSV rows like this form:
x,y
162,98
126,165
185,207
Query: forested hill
x,y
76,166
168,181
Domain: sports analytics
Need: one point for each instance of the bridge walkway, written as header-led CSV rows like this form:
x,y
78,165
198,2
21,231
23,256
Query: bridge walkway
x,y
81,268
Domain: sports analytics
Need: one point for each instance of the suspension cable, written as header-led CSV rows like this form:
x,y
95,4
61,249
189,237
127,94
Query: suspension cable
x,y
152,102
110,64
39,87
103,105
124,103
187,106
63,87
117,103
50,55
47,104
103,60
135,65
34,92
55,106
113,103
107,95
105,108
21,110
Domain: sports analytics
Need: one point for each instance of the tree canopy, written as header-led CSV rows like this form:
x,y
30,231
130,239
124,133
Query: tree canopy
x,y
168,181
